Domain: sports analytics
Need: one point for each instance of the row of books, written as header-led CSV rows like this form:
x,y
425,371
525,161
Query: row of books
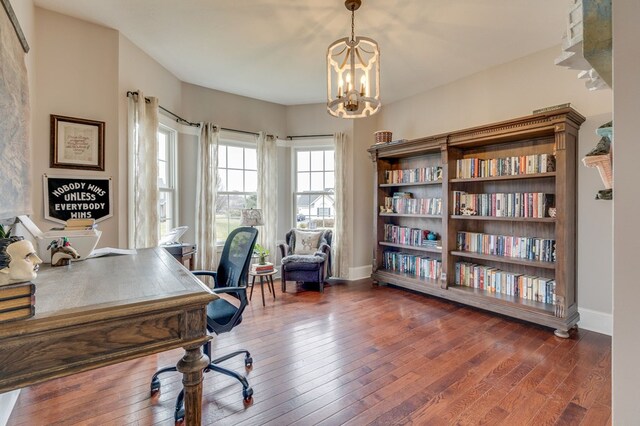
x,y
17,301
467,168
431,206
531,248
494,280
417,175
523,204
407,236
257,268
407,263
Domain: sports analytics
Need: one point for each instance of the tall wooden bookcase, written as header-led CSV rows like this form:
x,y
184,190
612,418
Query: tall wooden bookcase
x,y
541,291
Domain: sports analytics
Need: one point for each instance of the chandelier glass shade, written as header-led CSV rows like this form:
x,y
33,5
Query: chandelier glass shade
x,y
353,74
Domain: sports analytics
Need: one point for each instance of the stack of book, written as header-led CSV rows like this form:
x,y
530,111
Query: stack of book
x,y
80,224
17,301
257,268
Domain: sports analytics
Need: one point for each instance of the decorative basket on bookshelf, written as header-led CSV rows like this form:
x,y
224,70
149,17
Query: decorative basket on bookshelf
x,y
383,136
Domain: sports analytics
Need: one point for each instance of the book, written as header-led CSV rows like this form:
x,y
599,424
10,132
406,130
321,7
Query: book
x,y
17,302
256,268
17,290
16,314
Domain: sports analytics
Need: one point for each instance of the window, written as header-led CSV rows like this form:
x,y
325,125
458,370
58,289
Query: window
x,y
167,179
315,185
237,190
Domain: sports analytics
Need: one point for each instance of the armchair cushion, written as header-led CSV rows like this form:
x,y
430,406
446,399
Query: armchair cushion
x,y
295,258
306,242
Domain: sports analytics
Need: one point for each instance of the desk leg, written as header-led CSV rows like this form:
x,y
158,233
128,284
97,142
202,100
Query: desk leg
x,y
262,287
191,366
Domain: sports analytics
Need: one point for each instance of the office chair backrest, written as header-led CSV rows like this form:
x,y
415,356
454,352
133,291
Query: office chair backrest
x,y
236,257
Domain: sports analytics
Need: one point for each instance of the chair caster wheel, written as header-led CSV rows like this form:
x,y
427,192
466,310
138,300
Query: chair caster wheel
x,y
248,362
247,394
155,387
179,416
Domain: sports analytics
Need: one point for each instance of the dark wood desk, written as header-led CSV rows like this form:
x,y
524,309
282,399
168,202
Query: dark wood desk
x,y
102,311
183,252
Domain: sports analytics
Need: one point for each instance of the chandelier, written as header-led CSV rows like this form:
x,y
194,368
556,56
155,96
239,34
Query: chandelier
x,y
353,73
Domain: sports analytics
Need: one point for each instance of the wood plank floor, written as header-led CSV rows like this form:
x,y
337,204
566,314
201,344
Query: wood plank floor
x,y
358,354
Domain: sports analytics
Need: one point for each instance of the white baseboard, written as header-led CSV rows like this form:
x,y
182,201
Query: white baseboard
x,y
359,272
7,401
597,321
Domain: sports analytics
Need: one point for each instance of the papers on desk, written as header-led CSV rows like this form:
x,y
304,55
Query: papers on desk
x,y
110,251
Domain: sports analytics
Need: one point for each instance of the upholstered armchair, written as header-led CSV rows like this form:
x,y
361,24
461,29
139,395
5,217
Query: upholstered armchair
x,y
306,257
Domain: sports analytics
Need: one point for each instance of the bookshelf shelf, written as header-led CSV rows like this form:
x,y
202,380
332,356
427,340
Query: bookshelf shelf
x,y
430,216
408,247
504,259
540,140
510,177
395,185
507,219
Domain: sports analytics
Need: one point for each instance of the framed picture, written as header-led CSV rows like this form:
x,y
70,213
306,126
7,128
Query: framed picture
x,y
77,143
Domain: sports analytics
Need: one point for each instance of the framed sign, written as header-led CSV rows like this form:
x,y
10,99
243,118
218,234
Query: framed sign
x,y
77,198
77,143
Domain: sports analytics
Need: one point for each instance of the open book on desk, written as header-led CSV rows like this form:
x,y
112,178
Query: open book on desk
x,y
110,251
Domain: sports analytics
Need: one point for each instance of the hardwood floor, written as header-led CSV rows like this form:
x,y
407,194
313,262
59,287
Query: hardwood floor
x,y
358,354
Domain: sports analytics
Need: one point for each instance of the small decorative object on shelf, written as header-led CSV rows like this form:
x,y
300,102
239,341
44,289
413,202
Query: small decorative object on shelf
x,y
24,262
383,136
62,253
600,157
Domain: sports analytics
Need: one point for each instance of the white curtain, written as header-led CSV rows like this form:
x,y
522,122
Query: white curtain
x,y
341,243
268,192
143,171
206,194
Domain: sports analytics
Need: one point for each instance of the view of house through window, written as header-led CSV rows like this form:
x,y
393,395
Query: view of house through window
x,y
315,184
166,179
238,185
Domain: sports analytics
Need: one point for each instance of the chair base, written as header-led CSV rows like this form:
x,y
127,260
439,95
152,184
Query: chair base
x,y
247,391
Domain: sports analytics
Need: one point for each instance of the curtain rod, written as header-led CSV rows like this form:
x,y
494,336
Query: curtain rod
x,y
189,123
308,136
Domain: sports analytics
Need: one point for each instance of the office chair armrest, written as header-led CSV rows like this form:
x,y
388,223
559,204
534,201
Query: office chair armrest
x,y
207,273
284,249
238,292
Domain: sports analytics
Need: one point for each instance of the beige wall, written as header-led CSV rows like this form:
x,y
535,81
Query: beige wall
x,y
516,89
77,76
626,233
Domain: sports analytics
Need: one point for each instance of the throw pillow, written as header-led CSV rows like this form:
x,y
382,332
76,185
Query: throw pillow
x,y
307,242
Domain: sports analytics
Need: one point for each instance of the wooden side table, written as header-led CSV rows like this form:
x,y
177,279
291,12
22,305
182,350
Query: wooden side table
x,y
183,252
269,279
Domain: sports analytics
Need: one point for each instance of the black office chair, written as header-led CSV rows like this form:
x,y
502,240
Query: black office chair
x,y
223,316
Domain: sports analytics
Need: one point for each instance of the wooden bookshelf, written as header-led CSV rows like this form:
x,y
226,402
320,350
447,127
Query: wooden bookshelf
x,y
535,137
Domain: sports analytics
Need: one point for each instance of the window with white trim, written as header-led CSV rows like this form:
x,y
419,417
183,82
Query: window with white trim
x,y
167,169
238,184
314,188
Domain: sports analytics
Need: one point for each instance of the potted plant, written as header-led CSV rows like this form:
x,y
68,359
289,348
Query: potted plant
x,y
5,239
262,253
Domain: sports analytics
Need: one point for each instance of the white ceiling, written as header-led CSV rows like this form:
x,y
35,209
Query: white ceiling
x,y
275,49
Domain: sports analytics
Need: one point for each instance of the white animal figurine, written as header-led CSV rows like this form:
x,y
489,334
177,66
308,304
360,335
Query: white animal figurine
x,y
24,261
61,256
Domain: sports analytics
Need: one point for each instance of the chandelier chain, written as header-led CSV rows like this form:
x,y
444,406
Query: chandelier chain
x,y
353,26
